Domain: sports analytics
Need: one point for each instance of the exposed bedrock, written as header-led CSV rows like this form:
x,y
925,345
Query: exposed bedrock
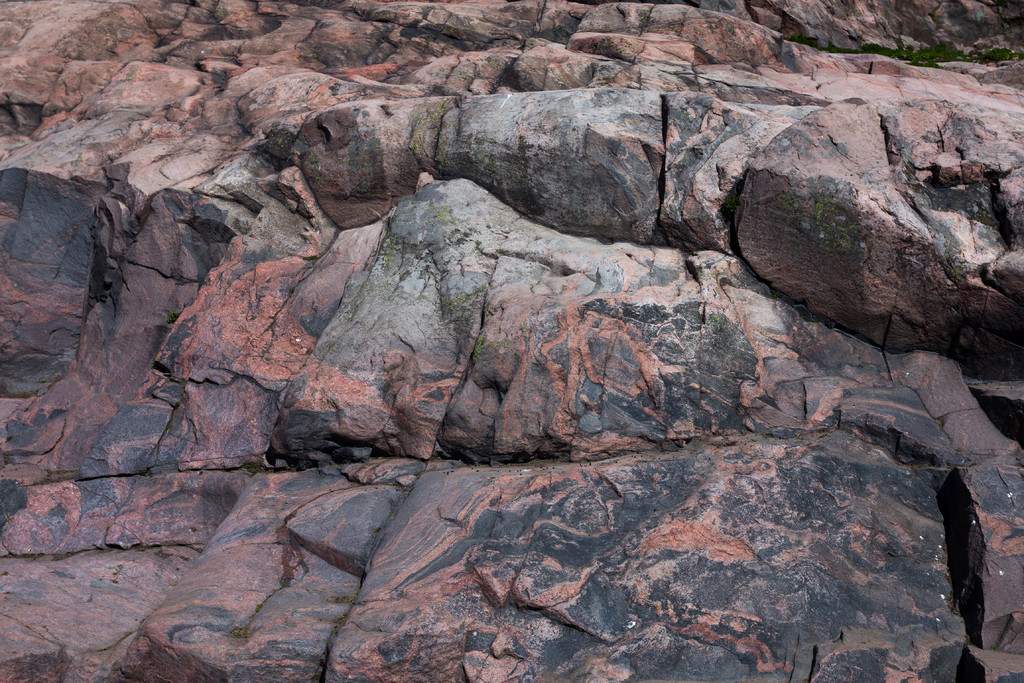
x,y
498,339
886,218
490,341
667,567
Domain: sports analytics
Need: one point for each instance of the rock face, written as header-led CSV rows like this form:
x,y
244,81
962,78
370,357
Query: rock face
x,y
867,198
669,567
491,341
46,259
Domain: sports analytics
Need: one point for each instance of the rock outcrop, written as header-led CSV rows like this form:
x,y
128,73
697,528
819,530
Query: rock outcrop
x,y
489,341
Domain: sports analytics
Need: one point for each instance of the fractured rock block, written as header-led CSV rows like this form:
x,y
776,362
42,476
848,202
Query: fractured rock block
x,y
257,605
582,161
986,559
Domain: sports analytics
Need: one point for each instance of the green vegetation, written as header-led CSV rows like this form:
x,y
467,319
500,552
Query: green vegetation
x,y
240,632
442,214
280,141
172,316
926,56
730,205
830,223
838,232
460,307
312,170
956,268
251,467
426,126
483,344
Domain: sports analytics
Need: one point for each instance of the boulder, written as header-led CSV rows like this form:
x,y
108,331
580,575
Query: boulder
x,y
860,212
586,162
423,299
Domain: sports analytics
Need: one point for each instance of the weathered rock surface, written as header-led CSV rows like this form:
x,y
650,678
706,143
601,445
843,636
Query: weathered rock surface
x,y
617,341
72,618
269,588
671,567
893,231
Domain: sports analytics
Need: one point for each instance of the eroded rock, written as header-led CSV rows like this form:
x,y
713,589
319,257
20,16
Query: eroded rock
x,y
72,618
668,567
254,605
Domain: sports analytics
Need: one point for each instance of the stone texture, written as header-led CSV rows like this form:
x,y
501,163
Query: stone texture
x,y
142,273
669,567
384,471
363,157
68,517
498,340
860,654
674,32
956,23
223,247
257,605
71,618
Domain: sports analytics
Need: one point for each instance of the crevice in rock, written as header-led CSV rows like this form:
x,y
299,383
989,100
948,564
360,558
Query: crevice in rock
x,y
965,548
552,615
734,222
814,663
885,339
321,674
892,156
663,171
999,209
108,549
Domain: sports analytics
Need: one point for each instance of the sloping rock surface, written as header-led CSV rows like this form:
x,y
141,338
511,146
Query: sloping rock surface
x,y
491,341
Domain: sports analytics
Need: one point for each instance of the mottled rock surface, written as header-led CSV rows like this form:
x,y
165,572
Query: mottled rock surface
x,y
72,618
669,567
490,341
